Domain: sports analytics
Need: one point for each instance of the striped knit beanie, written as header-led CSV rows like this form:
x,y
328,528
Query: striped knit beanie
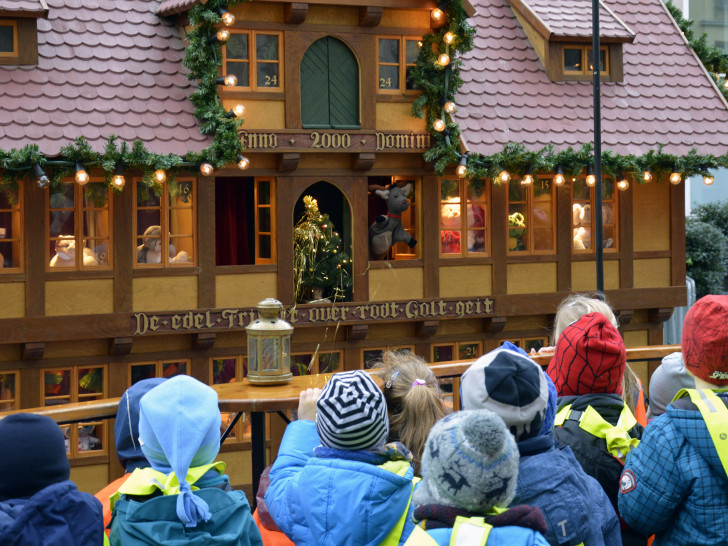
x,y
352,412
589,358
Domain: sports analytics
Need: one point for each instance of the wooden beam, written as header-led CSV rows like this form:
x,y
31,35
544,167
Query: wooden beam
x,y
288,162
624,316
203,341
357,332
120,346
32,351
494,325
363,161
294,13
370,16
426,328
660,314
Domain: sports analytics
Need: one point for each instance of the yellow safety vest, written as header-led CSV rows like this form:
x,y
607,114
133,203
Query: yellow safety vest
x,y
147,481
400,468
715,415
619,442
466,532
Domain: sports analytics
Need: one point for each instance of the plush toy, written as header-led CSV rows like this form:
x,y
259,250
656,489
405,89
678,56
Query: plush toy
x,y
150,251
387,230
581,215
66,253
450,224
582,238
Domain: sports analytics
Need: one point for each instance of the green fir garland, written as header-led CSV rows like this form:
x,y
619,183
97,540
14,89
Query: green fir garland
x,y
440,84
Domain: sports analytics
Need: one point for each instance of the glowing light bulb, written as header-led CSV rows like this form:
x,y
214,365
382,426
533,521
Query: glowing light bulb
x,y
591,180
623,184
461,170
438,125
443,59
647,176
82,177
675,178
223,34
118,181
504,176
239,110
708,180
243,162
160,176
206,169
227,18
448,38
437,14
527,180
559,179
449,107
231,80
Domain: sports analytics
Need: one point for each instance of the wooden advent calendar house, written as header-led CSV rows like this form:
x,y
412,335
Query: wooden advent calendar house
x,y
109,274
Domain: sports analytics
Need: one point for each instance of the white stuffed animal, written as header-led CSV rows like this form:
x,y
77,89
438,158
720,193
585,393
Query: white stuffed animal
x,y
450,213
66,253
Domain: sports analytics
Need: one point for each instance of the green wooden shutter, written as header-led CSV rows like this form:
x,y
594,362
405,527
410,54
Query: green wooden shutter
x,y
329,86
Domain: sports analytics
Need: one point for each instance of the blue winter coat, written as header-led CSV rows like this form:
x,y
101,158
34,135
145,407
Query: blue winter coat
x,y
499,536
673,483
59,514
575,506
334,501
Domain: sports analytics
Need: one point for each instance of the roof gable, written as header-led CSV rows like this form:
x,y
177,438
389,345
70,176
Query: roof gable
x,y
23,8
666,96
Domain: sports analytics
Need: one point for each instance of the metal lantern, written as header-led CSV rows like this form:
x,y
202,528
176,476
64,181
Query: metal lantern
x,y
269,345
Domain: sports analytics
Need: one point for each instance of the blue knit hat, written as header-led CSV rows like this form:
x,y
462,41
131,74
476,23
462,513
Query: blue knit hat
x,y
179,428
470,461
126,427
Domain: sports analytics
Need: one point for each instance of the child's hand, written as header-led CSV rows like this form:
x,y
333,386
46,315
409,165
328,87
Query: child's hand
x,y
307,404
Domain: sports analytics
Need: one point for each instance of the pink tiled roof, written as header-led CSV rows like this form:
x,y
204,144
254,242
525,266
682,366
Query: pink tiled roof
x,y
170,7
572,18
665,97
23,8
104,67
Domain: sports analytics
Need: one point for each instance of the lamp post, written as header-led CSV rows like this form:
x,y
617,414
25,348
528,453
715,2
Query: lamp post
x,y
596,66
269,346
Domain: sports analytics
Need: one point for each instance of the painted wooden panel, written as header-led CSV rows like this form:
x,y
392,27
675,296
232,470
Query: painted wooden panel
x,y
256,11
465,281
584,275
530,322
397,116
635,338
156,344
244,290
164,293
343,86
90,478
652,273
12,294
461,328
315,85
70,349
533,278
652,217
406,18
231,339
396,284
332,15
81,297
261,114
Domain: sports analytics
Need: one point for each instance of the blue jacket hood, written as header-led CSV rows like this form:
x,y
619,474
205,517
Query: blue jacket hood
x,y
57,514
317,500
126,428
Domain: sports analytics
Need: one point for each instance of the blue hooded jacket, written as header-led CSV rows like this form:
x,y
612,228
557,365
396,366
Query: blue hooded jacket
x,y
335,501
575,506
57,514
673,483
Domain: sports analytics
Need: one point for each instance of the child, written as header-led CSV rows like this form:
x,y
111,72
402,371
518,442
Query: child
x,y
592,418
666,381
335,481
514,387
470,470
413,400
179,431
39,505
674,483
126,436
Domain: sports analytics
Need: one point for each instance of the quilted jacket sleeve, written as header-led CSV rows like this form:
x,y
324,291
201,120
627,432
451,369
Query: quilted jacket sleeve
x,y
296,449
651,487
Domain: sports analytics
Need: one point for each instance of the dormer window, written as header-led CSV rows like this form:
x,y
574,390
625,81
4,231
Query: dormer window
x,y
562,38
8,38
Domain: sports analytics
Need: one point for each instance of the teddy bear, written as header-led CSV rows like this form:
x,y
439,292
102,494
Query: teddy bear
x,y
388,230
66,253
451,225
582,238
150,251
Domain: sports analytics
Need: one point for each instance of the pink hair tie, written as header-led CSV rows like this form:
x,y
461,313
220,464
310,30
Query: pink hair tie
x,y
419,382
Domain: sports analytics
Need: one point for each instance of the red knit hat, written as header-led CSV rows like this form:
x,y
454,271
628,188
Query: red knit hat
x,y
705,339
589,358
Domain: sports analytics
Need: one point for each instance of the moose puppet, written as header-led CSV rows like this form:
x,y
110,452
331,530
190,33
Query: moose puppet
x,y
387,230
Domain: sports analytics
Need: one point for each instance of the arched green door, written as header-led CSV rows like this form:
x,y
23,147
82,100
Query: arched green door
x,y
329,86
